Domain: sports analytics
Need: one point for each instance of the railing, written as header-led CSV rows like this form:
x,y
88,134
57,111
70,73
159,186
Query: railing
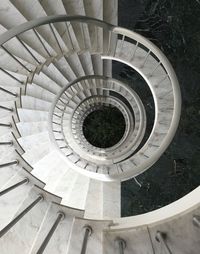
x,y
80,110
160,237
121,245
45,242
88,233
113,43
20,215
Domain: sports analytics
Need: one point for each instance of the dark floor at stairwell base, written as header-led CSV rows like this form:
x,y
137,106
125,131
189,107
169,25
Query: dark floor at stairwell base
x,y
174,27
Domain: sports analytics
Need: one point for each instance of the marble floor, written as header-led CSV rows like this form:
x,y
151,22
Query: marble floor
x,y
174,26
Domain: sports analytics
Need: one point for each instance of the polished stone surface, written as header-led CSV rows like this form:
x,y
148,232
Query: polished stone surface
x,y
174,27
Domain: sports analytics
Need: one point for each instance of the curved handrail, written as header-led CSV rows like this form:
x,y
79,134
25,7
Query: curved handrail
x,y
13,32
151,50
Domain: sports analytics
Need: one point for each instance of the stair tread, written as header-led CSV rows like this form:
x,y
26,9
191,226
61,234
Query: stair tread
x,y
30,115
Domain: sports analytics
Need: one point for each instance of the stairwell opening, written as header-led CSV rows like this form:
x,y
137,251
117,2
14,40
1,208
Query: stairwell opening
x,y
104,127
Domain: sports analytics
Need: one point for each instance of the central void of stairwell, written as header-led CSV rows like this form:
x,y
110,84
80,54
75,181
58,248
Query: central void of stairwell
x,y
104,127
67,106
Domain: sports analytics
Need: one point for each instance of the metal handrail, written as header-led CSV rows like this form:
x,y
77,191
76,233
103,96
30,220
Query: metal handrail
x,y
113,35
60,119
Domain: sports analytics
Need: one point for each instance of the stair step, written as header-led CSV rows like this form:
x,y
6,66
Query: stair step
x,y
29,115
35,12
49,163
17,17
77,194
28,225
29,102
75,64
97,64
6,96
32,156
30,128
12,201
103,200
6,105
8,63
86,61
39,93
8,81
95,240
52,8
29,142
58,243
54,74
47,83
64,67
5,130
76,7
8,172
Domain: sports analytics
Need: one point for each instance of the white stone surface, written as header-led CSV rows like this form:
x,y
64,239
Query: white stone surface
x,y
39,93
137,241
95,241
4,96
37,11
28,115
65,69
22,235
31,141
59,241
29,102
29,128
46,82
99,199
103,200
77,193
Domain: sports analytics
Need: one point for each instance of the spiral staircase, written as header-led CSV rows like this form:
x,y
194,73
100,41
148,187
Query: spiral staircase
x,y
60,193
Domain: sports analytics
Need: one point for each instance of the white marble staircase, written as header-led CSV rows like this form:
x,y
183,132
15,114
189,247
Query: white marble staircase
x,y
56,194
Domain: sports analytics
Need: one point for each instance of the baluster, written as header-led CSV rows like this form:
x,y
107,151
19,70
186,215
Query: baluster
x,y
9,125
52,30
19,216
26,180
196,220
69,35
162,80
121,244
5,108
122,43
8,92
160,237
145,60
28,50
110,45
88,232
151,74
58,108
9,143
57,131
60,216
134,52
15,162
40,40
56,123
11,55
10,75
57,115
83,35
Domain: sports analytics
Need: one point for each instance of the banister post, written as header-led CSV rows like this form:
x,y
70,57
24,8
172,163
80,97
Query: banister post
x,y
19,216
121,244
88,232
60,216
